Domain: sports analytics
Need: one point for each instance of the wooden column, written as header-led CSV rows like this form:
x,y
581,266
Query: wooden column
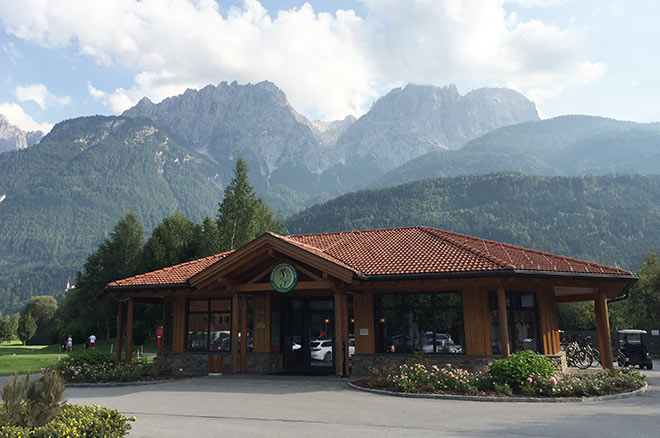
x,y
120,331
244,333
341,334
476,320
603,328
234,333
363,310
179,335
504,324
129,330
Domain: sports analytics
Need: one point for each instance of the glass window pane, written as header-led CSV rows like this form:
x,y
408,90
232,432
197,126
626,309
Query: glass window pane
x,y
389,300
449,333
198,305
220,305
452,299
220,336
197,331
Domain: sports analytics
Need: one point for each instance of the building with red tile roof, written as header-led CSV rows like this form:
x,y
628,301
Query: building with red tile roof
x,y
389,291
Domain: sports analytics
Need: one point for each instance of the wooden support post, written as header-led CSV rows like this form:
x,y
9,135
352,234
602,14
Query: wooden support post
x,y
341,334
234,333
129,330
120,331
363,309
504,324
244,333
603,328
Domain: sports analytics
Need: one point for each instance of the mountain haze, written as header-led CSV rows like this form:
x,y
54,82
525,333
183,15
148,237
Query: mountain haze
x,y
565,145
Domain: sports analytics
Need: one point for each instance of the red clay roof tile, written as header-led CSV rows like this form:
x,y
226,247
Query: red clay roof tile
x,y
400,251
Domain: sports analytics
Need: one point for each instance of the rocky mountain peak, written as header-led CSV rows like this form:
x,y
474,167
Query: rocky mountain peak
x,y
418,119
12,137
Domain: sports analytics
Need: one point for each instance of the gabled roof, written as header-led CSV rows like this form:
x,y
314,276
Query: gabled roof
x,y
396,252
172,275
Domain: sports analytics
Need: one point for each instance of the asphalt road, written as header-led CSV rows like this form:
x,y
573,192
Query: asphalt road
x,y
266,406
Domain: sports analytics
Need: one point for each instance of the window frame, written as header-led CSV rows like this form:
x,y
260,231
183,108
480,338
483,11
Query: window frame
x,y
209,313
404,304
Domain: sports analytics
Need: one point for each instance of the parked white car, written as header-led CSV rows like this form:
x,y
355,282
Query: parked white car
x,y
322,349
443,344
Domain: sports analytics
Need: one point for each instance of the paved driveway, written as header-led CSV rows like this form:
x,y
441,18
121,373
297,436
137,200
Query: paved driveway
x,y
265,406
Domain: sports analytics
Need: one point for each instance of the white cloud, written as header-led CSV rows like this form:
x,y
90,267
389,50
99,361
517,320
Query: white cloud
x,y
329,65
537,3
40,94
17,117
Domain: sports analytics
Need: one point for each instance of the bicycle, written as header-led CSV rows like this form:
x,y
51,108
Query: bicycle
x,y
578,357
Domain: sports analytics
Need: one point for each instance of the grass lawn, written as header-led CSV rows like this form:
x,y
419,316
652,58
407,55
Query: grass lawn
x,y
16,358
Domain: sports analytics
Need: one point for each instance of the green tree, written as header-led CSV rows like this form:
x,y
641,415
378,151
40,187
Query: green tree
x,y
175,240
117,257
9,327
576,316
642,309
42,308
27,327
241,216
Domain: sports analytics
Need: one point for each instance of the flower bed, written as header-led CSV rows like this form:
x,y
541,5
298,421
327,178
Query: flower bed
x,y
37,408
523,374
90,366
72,421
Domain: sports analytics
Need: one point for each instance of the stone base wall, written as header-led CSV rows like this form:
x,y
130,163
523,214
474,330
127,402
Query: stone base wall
x,y
360,363
197,364
264,363
189,363
559,361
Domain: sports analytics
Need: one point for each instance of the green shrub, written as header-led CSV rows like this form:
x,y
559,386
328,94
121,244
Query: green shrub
x,y
519,367
72,421
91,356
44,398
33,403
161,365
13,396
502,388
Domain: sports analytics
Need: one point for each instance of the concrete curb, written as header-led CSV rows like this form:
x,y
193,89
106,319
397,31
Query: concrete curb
x,y
120,384
505,399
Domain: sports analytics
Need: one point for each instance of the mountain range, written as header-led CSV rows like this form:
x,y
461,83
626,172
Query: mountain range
x,y
12,137
61,196
291,157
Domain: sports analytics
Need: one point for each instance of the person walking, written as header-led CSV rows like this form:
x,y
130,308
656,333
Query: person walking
x,y
69,344
92,341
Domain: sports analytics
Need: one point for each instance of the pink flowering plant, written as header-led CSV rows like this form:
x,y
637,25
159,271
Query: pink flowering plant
x,y
423,377
526,374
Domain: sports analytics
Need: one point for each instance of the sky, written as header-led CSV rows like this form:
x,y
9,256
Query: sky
x,y
69,58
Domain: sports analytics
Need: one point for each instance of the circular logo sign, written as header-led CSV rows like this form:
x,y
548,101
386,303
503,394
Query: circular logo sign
x,y
283,277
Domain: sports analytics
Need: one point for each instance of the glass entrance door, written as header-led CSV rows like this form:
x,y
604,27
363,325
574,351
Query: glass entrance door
x,y
308,328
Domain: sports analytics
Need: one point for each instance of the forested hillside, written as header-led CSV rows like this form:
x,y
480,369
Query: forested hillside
x,y
608,219
563,146
63,195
